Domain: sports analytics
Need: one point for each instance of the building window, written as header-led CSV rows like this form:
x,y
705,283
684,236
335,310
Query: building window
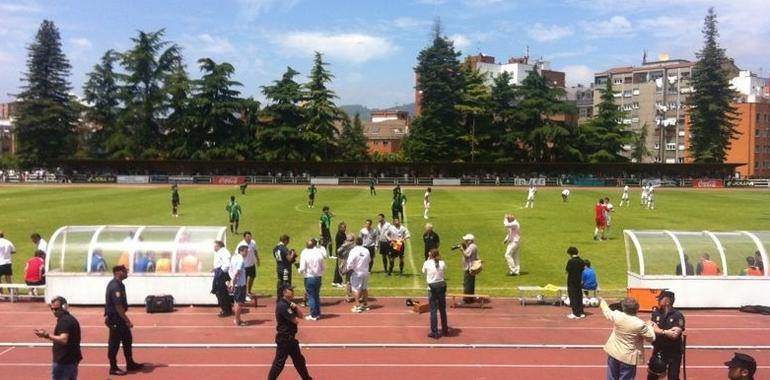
x,y
670,146
759,117
617,80
627,93
657,146
635,91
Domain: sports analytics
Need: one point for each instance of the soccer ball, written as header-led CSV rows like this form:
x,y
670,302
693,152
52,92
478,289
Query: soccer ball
x,y
585,301
593,301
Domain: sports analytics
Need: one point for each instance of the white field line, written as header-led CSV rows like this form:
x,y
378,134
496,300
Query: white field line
x,y
409,252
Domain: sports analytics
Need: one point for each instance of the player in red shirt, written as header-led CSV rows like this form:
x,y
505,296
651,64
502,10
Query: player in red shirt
x,y
601,221
34,271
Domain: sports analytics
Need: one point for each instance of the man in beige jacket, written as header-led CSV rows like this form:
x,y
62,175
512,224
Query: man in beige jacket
x,y
625,346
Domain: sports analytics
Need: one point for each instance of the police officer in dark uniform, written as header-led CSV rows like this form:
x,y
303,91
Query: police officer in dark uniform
x,y
287,317
668,324
284,257
115,307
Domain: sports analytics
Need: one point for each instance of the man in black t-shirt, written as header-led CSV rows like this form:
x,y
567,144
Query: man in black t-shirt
x,y
287,317
115,307
575,267
284,257
668,324
66,342
430,239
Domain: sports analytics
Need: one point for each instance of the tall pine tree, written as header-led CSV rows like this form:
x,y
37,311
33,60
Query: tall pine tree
x,y
712,117
508,145
320,133
433,136
606,137
181,140
352,146
278,132
474,108
101,92
47,115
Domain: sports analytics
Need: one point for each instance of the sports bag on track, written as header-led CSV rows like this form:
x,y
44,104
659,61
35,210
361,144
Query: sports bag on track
x,y
159,303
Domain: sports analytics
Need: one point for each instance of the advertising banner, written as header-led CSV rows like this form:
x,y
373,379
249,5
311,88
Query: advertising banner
x,y
526,182
708,183
446,182
228,180
181,179
79,178
324,181
133,179
202,179
102,179
158,179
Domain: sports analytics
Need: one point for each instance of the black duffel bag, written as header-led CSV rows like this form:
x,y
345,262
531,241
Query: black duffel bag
x,y
159,304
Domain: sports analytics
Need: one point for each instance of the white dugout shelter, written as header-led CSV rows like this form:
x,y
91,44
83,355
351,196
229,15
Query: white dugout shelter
x,y
176,260
654,257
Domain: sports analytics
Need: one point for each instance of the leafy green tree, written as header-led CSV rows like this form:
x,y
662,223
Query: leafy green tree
x,y
538,104
47,114
184,137
433,136
217,109
147,64
474,108
508,141
639,150
321,113
278,135
607,138
352,146
712,116
102,94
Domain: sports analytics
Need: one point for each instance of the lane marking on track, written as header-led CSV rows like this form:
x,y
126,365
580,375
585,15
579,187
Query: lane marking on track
x,y
366,365
381,345
7,350
370,327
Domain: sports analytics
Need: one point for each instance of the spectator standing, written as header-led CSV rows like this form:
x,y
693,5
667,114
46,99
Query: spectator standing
x,y
6,266
34,270
668,325
512,244
312,267
238,281
284,257
66,341
221,275
358,266
287,317
250,263
575,267
741,367
116,319
589,281
369,236
470,254
434,269
625,346
430,239
39,242
339,239
383,239
233,209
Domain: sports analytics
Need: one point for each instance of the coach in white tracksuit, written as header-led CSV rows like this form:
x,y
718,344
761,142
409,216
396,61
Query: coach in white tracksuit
x,y
512,241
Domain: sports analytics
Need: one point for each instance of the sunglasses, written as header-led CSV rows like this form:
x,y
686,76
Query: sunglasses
x,y
55,309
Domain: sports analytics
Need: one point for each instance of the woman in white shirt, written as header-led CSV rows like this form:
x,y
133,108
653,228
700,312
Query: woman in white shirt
x,y
434,268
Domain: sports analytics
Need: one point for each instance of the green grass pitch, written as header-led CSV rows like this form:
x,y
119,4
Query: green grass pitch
x,y
547,230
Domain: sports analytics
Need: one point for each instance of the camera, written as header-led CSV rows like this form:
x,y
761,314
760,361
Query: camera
x,y
456,247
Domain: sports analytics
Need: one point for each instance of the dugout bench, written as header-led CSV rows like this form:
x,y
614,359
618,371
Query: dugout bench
x,y
14,291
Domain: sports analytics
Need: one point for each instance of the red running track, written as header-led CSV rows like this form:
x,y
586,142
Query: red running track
x,y
514,333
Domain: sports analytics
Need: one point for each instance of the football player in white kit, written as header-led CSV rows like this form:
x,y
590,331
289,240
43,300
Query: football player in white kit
x,y
651,198
565,195
426,203
531,197
624,197
645,193
608,210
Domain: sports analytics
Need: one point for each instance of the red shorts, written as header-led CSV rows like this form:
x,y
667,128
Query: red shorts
x,y
601,222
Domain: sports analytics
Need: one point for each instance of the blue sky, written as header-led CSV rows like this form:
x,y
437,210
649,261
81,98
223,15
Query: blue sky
x,y
372,45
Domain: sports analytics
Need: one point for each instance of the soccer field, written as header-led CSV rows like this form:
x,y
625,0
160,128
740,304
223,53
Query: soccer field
x,y
547,230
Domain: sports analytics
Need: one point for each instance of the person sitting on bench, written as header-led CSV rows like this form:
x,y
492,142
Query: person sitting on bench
x,y
34,271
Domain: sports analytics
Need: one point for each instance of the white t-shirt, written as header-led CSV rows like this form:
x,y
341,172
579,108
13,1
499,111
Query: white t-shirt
x,y
42,245
222,259
625,192
368,236
426,199
384,231
434,274
311,262
251,253
565,192
399,233
236,266
531,194
358,260
513,230
6,249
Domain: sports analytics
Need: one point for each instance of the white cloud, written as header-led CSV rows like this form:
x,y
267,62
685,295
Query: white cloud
x,y
209,44
81,43
251,9
543,33
460,41
616,26
353,47
410,23
20,7
578,74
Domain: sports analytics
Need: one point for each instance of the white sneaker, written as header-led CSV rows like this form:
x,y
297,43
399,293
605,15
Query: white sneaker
x,y
310,318
572,316
581,316
248,299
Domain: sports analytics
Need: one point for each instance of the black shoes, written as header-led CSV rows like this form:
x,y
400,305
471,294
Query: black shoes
x,y
434,336
135,367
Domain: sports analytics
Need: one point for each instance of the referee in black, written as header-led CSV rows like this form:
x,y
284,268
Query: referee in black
x,y
117,321
287,317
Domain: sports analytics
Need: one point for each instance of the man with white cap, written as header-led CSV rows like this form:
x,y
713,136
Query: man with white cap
x,y
470,254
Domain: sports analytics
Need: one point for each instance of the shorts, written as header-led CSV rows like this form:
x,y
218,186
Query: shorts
x,y
239,294
36,283
601,223
6,270
251,271
311,196
174,203
395,252
426,204
234,219
359,282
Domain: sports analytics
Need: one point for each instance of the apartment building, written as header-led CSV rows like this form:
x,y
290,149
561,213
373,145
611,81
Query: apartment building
x,y
7,135
386,131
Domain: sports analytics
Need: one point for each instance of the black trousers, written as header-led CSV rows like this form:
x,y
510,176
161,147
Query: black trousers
x,y
224,300
288,346
674,361
119,333
384,252
469,285
438,307
371,257
575,299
